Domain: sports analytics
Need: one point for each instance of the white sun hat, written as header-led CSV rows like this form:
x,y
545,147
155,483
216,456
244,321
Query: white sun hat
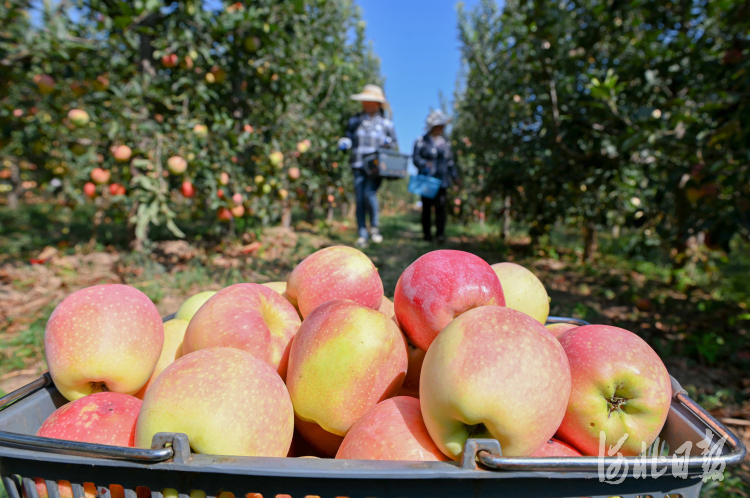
x,y
437,118
371,93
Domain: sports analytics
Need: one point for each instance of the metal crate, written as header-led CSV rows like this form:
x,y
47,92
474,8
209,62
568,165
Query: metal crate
x,y
390,164
171,468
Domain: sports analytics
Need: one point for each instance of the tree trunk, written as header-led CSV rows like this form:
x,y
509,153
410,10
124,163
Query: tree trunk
x,y
589,241
15,182
506,219
286,214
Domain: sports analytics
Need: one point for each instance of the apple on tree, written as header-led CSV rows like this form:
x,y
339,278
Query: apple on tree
x,y
100,176
78,117
122,153
176,165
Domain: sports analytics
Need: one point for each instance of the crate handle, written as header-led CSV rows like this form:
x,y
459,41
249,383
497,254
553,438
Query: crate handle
x,y
72,447
489,453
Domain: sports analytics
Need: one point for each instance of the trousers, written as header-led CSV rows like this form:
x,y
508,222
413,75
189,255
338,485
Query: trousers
x,y
365,191
440,214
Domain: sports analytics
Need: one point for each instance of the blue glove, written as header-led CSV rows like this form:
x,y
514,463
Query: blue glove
x,y
345,143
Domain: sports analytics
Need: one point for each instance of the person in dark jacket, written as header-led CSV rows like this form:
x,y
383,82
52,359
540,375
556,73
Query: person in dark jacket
x,y
365,133
433,157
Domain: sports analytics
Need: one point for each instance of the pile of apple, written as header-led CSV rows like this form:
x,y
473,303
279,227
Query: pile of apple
x,y
325,365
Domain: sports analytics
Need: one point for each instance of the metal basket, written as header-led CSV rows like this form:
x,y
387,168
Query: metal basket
x,y
483,471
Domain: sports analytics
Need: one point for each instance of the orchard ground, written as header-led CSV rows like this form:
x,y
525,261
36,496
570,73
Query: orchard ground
x,y
696,319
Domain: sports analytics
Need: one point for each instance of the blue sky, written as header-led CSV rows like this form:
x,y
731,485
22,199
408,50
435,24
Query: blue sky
x,y
417,42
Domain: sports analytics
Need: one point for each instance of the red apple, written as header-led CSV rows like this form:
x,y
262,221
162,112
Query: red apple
x,y
410,387
337,272
344,360
226,400
494,372
620,386
78,117
557,329
100,418
187,63
224,214
200,130
176,165
45,83
294,173
555,448
103,338
187,189
101,83
321,441
392,430
438,287
122,153
238,211
120,190
89,189
224,178
250,317
169,60
100,176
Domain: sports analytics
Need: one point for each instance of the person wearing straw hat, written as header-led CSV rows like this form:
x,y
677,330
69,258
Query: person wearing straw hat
x,y
433,157
365,133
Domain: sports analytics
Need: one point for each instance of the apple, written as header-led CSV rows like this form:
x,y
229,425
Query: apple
x,y
120,190
248,128
392,430
78,117
220,193
103,338
101,83
187,189
79,88
187,63
410,387
65,489
89,189
218,75
337,272
294,173
438,287
176,165
200,130
122,153
174,332
280,288
169,60
224,214
227,402
100,418
523,291
45,83
237,198
250,317
100,176
494,372
224,178
558,328
113,188
276,158
188,309
283,193
344,359
238,211
620,386
303,146
252,44
386,308
321,441
555,448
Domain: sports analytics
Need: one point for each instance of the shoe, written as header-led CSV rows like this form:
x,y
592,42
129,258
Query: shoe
x,y
361,243
375,235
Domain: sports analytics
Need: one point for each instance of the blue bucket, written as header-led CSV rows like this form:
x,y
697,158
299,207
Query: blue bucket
x,y
425,186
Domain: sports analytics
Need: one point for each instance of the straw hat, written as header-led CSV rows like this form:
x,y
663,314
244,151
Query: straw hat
x,y
371,93
437,118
